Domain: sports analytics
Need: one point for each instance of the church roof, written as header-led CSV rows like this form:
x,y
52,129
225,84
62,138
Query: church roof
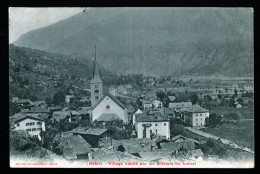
x,y
108,117
113,98
96,76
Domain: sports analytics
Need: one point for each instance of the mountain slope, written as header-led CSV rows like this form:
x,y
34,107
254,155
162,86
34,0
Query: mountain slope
x,y
155,41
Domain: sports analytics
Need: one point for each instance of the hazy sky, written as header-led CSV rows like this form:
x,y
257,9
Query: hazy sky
x,y
22,20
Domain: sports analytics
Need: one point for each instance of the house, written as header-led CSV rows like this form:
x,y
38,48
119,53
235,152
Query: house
x,y
138,111
172,98
146,126
15,99
111,155
169,112
195,116
39,103
180,138
238,105
74,147
157,103
96,137
113,91
109,108
179,106
147,104
33,125
68,97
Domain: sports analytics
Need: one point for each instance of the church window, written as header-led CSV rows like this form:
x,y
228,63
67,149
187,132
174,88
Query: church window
x,y
96,97
107,106
96,91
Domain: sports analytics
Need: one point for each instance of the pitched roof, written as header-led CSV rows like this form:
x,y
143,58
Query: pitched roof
x,y
69,153
27,116
78,144
180,104
196,109
151,118
173,146
108,117
113,98
89,131
133,145
102,154
177,137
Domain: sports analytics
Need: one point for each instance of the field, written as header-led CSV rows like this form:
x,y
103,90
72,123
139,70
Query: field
x,y
247,113
241,133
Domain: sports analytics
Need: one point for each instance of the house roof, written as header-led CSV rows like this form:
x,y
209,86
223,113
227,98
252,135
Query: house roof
x,y
180,104
59,115
113,98
89,131
37,110
133,145
108,117
178,137
168,111
196,109
102,154
27,116
173,146
69,153
78,144
151,118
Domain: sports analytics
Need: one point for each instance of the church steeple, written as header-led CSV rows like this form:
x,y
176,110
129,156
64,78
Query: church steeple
x,y
96,85
95,70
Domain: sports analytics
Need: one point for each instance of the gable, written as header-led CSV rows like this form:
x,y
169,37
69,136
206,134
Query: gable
x,y
112,98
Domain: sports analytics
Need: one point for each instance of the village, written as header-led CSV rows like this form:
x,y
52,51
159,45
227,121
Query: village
x,y
123,123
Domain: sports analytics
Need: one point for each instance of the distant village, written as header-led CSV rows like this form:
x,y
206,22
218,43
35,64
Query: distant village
x,y
145,127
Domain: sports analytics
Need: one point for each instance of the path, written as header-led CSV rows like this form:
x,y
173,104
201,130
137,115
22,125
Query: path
x,y
224,141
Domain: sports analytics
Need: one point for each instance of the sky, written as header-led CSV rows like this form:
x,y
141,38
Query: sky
x,y
24,19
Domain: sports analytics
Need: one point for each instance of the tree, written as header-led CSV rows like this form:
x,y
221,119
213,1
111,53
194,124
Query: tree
x,y
213,120
48,101
235,92
240,100
194,98
59,98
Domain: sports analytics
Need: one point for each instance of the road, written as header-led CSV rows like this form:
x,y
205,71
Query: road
x,y
224,141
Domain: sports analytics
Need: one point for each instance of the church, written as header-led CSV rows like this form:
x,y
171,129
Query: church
x,y
104,107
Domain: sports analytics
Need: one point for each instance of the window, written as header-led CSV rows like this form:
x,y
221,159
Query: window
x,y
18,125
196,114
155,124
96,97
196,119
156,131
201,119
107,106
96,91
200,114
164,124
33,129
39,123
96,86
28,130
39,129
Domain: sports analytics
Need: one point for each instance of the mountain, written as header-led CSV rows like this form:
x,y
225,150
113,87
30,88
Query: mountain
x,y
34,73
155,41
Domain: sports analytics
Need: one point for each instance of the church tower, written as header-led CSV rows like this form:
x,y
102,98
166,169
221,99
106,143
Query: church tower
x,y
96,85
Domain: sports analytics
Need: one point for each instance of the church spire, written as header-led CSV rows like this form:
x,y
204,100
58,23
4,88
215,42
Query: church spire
x,y
95,70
